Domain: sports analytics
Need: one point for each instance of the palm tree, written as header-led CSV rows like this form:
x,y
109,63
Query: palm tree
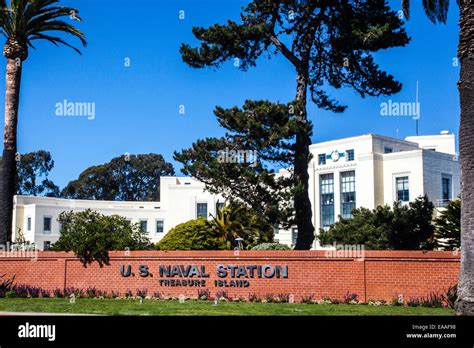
x,y
22,22
437,11
226,225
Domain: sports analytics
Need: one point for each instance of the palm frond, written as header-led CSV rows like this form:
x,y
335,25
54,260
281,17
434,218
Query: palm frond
x,y
54,40
39,20
436,10
406,8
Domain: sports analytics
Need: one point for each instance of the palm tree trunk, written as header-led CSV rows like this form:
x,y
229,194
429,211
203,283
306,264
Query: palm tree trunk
x,y
7,182
465,302
303,212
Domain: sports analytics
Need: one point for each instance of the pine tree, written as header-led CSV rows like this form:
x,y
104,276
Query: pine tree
x,y
328,43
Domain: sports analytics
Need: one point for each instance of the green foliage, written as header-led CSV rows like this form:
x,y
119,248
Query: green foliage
x,y
271,246
330,45
448,226
403,227
30,20
195,234
91,236
262,129
32,175
124,178
256,227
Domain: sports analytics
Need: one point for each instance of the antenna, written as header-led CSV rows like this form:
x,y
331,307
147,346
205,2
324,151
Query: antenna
x,y
417,108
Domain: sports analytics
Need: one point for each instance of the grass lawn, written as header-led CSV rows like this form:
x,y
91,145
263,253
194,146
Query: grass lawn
x,y
154,307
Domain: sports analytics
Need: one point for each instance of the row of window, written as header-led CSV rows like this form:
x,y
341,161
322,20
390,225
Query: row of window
x,y
322,156
159,226
201,211
348,196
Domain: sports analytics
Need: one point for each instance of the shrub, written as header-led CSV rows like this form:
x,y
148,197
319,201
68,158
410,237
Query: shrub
x,y
58,293
308,299
204,294
253,298
350,298
195,234
271,246
71,290
433,300
91,236
451,296
400,227
6,284
142,293
11,294
222,296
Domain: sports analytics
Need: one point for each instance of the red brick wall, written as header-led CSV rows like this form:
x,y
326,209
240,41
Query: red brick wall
x,y
380,275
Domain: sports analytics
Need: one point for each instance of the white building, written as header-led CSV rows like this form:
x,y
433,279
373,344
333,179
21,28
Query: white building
x,y
362,171
182,199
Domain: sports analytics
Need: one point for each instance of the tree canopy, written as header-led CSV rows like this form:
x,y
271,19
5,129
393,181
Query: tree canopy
x,y
448,226
124,178
401,227
32,175
330,45
240,166
91,235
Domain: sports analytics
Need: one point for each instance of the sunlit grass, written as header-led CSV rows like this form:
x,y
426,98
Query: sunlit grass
x,y
195,308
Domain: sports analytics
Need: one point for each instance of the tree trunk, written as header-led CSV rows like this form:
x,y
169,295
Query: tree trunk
x,y
303,212
7,182
465,301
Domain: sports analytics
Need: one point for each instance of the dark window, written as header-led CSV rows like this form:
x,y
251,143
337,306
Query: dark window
x,y
326,189
322,159
294,235
28,224
387,150
446,187
403,192
348,193
350,155
201,210
159,226
47,225
46,245
144,225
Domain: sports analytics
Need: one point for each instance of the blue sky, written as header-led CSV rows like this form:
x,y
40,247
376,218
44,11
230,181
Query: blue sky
x,y
137,107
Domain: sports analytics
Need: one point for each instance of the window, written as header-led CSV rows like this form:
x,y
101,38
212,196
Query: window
x,y
46,245
47,225
144,225
201,210
219,206
28,223
294,235
348,193
326,189
350,155
159,226
403,192
387,149
322,159
446,187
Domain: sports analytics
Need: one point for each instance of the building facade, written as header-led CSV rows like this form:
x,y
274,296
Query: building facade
x,y
362,171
